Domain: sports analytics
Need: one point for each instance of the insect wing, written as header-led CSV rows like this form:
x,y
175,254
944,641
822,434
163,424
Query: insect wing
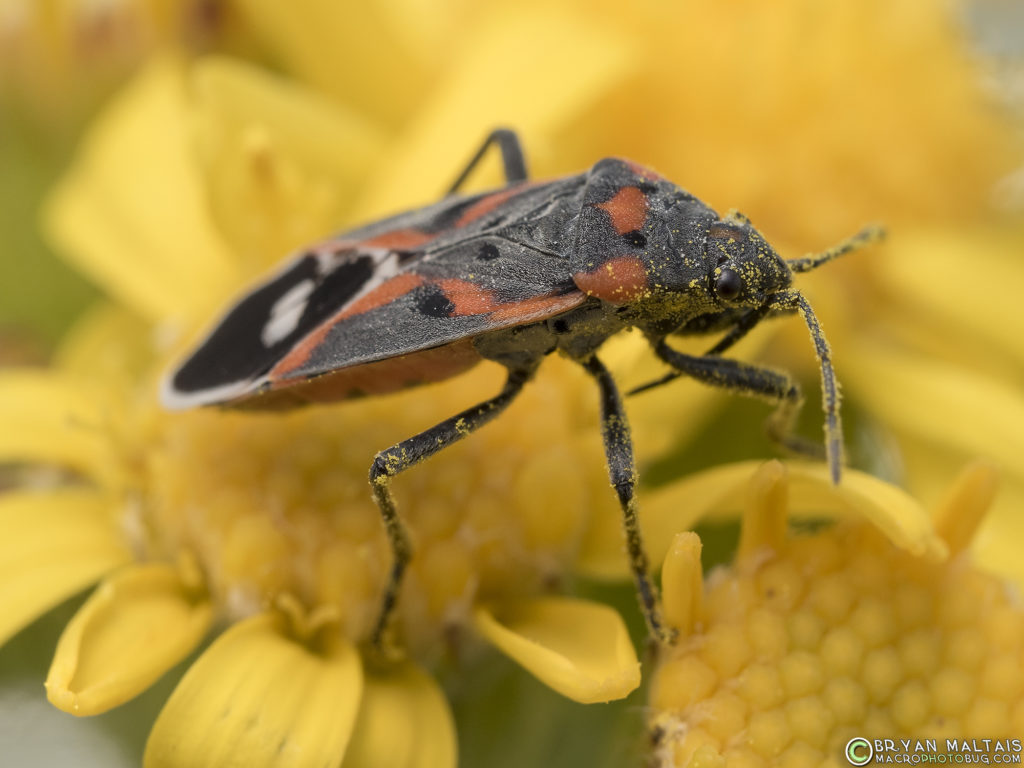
x,y
412,282
269,320
455,293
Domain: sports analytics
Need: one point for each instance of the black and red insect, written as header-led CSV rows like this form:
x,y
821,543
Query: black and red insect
x,y
513,275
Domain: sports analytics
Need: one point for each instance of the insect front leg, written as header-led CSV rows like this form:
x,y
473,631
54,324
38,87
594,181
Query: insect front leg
x,y
739,326
399,457
512,158
618,448
753,381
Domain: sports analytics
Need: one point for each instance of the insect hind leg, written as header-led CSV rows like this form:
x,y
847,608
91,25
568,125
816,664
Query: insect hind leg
x,y
512,157
618,446
401,456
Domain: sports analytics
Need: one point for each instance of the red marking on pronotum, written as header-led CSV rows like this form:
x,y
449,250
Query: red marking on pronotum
x,y
628,209
616,281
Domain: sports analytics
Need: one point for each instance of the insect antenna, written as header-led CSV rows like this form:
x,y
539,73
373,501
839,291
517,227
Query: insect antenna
x,y
829,386
870,234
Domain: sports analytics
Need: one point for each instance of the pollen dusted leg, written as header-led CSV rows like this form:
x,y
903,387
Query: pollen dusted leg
x,y
618,448
753,381
410,452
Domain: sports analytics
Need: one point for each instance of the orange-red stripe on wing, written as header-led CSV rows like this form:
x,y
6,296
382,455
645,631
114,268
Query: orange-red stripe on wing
x,y
471,299
485,205
535,308
467,297
385,293
399,238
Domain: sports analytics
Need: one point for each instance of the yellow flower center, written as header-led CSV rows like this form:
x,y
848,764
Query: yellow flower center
x,y
278,504
840,634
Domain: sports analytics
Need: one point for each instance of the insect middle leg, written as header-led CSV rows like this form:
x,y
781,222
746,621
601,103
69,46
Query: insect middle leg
x,y
618,448
410,452
512,158
753,381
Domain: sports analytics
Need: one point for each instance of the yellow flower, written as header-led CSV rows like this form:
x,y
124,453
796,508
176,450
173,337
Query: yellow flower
x,y
266,521
878,627
939,369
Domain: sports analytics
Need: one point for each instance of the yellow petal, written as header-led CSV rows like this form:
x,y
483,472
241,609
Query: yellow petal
x,y
720,493
404,722
490,82
995,545
973,414
682,583
578,648
258,698
351,51
138,624
943,255
966,504
54,545
765,516
282,163
132,212
52,418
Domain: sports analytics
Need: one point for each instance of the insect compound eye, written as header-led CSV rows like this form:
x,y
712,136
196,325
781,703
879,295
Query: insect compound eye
x,y
728,285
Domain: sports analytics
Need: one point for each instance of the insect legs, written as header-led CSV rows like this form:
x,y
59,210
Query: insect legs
x,y
512,158
410,452
753,381
618,447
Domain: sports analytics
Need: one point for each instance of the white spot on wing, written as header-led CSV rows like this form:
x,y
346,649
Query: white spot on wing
x,y
286,312
284,317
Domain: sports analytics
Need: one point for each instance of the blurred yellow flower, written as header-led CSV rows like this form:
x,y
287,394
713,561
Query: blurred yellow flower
x,y
61,56
878,628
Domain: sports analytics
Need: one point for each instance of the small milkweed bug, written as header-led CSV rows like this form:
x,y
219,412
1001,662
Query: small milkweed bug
x,y
513,275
